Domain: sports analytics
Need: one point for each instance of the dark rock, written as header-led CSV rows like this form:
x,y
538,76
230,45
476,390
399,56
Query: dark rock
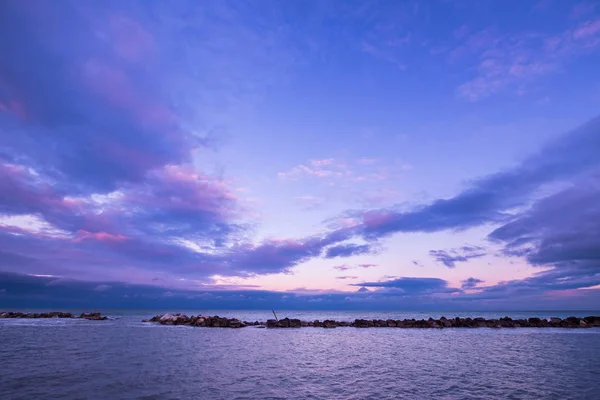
x,y
363,323
329,324
295,323
284,323
271,323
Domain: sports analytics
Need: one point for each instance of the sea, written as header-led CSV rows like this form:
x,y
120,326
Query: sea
x,y
123,358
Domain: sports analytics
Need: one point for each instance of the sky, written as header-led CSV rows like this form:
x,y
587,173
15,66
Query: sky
x,y
300,155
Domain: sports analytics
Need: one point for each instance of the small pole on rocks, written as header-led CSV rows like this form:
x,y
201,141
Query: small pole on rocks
x,y
276,319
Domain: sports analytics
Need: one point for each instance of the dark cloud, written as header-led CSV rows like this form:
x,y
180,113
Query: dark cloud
x,y
450,257
562,229
413,285
24,291
569,281
470,283
348,250
489,199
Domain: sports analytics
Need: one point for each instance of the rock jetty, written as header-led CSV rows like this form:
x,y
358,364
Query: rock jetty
x,y
506,322
200,320
96,316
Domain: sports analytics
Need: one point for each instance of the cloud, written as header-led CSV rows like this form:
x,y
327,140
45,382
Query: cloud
x,y
560,230
509,61
348,250
416,294
342,267
368,265
412,285
470,283
450,257
96,150
346,277
491,199
321,163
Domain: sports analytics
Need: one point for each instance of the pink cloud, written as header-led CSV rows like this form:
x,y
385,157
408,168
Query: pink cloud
x,y
375,219
368,265
182,189
512,61
99,236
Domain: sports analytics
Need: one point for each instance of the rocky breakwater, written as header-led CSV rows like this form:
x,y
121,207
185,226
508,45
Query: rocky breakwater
x,y
200,320
506,322
96,316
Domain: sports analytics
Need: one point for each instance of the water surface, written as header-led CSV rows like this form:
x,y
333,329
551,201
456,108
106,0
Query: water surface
x,y
126,359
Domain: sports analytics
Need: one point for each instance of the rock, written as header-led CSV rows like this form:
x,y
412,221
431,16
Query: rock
x,y
166,317
284,323
583,324
432,323
295,323
555,320
329,324
271,323
236,324
363,323
391,323
89,316
572,322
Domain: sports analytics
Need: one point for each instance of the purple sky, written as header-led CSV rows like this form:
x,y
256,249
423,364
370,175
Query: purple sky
x,y
311,154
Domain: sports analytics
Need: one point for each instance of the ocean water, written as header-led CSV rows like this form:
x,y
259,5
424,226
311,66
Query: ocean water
x,y
124,358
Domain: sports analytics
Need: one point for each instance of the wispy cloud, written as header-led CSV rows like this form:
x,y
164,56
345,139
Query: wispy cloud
x,y
509,61
450,257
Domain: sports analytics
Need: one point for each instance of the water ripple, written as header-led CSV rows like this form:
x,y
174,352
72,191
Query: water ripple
x,y
124,359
